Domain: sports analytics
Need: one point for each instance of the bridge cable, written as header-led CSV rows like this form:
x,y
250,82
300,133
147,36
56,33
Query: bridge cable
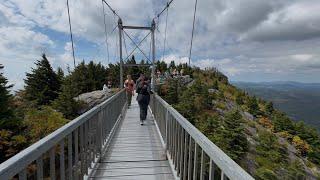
x,y
137,46
166,7
194,18
71,37
111,9
125,44
105,30
150,47
116,38
165,34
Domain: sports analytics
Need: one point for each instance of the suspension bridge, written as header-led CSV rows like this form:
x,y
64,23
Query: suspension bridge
x,y
107,142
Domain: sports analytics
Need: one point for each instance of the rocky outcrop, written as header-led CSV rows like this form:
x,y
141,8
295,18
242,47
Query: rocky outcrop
x,y
93,98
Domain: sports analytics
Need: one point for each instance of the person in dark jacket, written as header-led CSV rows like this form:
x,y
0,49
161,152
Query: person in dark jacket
x,y
143,98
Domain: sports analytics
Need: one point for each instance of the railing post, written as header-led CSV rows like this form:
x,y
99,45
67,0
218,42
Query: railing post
x,y
166,121
100,132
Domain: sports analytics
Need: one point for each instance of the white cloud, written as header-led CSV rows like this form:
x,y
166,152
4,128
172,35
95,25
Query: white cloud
x,y
21,42
302,57
177,59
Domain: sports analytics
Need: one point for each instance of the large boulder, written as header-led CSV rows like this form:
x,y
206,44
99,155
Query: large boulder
x,y
93,98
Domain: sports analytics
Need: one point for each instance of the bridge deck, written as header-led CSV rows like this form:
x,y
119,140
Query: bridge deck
x,y
135,152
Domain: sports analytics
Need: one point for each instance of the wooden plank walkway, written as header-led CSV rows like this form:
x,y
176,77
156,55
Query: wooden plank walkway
x,y
136,152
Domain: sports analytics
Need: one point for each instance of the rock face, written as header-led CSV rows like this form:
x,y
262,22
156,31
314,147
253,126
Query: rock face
x,y
93,98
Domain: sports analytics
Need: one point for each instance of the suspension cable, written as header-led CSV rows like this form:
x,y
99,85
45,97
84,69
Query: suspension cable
x,y
125,44
150,47
165,35
194,18
105,30
116,49
111,9
166,7
71,37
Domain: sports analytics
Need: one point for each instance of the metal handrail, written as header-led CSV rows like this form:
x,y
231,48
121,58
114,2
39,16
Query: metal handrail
x,y
85,138
189,150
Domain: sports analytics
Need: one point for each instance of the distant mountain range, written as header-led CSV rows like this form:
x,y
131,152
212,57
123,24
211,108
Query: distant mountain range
x,y
301,101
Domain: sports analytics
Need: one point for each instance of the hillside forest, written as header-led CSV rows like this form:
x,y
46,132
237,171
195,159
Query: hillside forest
x,y
261,139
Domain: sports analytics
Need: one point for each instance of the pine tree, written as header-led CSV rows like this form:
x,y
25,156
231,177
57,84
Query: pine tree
x,y
269,108
134,71
215,85
172,94
60,75
234,135
6,112
253,106
239,98
172,65
113,72
80,78
65,103
10,141
42,84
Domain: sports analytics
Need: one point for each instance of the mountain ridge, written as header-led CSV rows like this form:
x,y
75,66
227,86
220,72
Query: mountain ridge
x,y
300,101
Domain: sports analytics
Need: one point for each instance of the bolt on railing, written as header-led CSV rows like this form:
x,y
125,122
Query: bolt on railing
x,y
192,154
71,150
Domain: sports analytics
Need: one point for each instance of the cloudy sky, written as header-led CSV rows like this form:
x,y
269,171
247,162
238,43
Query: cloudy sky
x,y
249,40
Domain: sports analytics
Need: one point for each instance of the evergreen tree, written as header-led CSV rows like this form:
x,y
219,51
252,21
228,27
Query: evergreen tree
x,y
172,65
10,141
42,84
172,92
239,98
145,70
65,103
269,108
80,78
6,112
215,85
234,135
134,71
113,72
163,67
60,75
253,106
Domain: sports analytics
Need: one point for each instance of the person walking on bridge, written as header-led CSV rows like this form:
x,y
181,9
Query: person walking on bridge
x,y
129,85
143,98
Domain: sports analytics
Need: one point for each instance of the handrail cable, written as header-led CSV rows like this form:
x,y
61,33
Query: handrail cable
x,y
71,37
105,30
194,18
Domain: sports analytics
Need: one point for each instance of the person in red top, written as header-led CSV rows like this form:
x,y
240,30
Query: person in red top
x,y
130,86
